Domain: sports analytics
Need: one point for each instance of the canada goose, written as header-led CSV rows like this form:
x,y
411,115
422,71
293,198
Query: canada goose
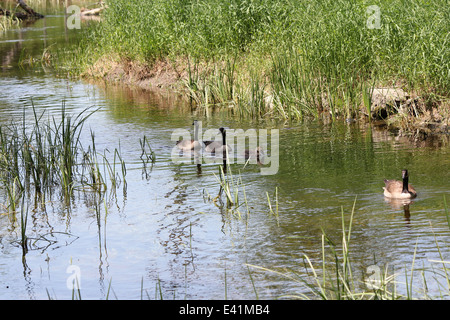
x,y
256,153
187,145
223,131
208,142
398,189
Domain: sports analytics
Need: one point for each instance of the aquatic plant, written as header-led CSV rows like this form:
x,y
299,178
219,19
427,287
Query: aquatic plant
x,y
7,22
336,280
230,187
45,157
288,59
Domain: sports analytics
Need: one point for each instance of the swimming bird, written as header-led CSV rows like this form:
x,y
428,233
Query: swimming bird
x,y
256,153
399,189
187,145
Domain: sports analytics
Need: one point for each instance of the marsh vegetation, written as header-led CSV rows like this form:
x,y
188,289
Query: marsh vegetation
x,y
95,187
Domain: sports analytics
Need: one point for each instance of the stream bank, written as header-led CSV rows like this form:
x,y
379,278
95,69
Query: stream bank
x,y
406,114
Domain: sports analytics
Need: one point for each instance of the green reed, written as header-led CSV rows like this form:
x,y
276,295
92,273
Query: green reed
x,y
229,186
274,211
7,23
41,156
92,173
146,156
232,197
447,213
334,277
23,227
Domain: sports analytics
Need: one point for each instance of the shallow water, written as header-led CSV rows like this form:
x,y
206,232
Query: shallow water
x,y
159,234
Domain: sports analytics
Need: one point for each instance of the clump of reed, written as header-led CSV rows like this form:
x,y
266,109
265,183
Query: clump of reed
x,y
232,199
7,23
232,189
42,156
335,277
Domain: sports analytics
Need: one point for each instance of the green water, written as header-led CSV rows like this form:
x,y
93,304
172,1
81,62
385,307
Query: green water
x,y
159,230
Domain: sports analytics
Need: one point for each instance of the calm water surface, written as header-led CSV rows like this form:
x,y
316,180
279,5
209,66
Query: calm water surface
x,y
158,232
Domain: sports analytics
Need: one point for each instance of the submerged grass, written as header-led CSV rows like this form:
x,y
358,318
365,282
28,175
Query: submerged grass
x,y
288,59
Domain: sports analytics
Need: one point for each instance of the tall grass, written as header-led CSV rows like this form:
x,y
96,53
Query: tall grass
x,y
304,57
334,278
43,155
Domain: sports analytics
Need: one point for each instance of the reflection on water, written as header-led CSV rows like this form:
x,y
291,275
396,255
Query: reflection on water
x,y
158,225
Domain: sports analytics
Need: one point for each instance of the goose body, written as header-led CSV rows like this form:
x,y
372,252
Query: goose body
x,y
399,189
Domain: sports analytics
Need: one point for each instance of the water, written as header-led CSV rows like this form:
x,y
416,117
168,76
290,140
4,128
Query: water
x,y
159,234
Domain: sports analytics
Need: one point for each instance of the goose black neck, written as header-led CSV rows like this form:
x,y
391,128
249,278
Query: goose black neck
x,y
405,185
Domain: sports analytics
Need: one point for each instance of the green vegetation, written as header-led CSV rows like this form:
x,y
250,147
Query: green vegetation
x,y
7,23
40,159
336,279
44,156
283,58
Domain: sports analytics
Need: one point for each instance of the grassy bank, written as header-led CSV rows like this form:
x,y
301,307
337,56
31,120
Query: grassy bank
x,y
287,59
